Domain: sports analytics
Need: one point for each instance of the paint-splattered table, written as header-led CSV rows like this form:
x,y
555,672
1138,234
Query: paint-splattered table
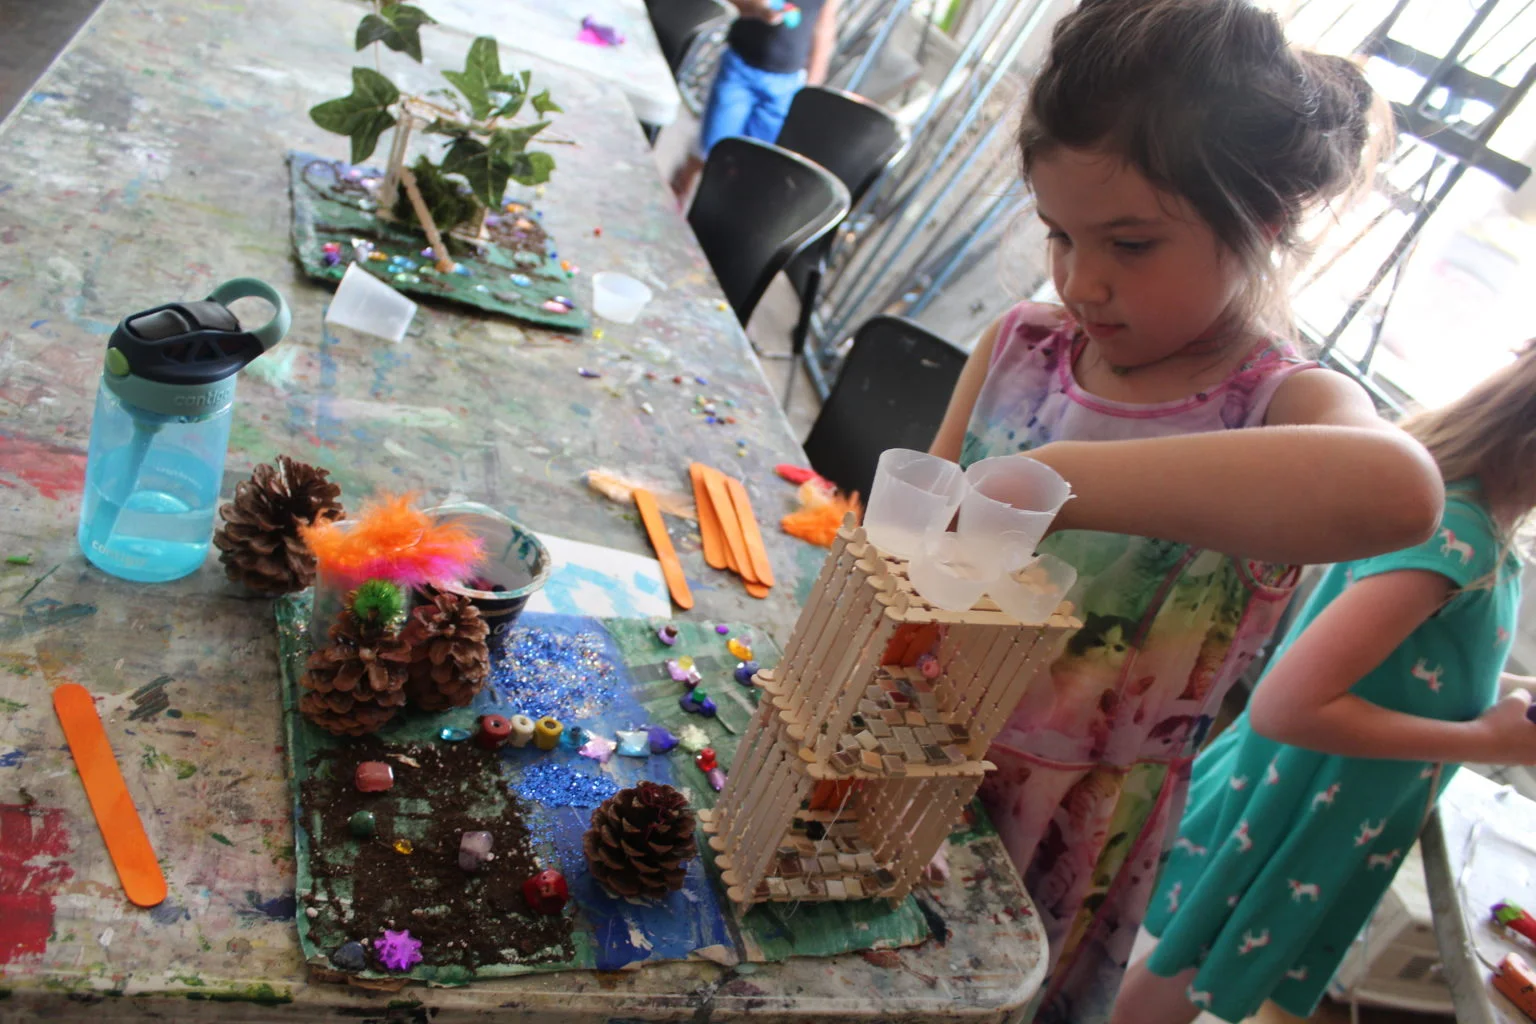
x,y
552,29
147,167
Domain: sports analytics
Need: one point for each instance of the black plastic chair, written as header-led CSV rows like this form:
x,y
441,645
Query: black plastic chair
x,y
891,393
757,208
855,140
678,24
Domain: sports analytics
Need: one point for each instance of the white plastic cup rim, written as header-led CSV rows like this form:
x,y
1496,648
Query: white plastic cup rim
x,y
370,306
618,297
914,494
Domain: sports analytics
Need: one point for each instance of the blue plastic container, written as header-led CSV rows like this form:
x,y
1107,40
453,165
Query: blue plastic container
x,y
161,430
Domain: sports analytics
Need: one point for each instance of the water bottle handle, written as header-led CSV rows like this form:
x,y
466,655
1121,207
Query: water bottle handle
x,y
271,332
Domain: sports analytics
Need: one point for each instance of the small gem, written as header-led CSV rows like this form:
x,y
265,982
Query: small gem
x,y
453,734
521,280
738,649
745,671
661,739
546,892
597,333
363,824
723,630
350,956
929,666
474,850
589,374
700,380
404,846
635,743
373,777
705,759
716,777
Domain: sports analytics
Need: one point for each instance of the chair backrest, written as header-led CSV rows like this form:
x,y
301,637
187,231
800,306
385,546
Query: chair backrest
x,y
757,207
679,22
849,136
891,393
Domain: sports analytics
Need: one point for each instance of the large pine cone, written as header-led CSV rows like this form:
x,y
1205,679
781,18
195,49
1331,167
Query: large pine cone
x,y
449,659
641,840
357,683
259,542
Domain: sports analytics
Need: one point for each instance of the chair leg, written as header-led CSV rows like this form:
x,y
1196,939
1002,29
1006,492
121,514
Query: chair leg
x,y
802,329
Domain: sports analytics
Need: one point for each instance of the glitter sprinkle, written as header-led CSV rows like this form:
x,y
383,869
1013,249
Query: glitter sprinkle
x,y
547,672
558,783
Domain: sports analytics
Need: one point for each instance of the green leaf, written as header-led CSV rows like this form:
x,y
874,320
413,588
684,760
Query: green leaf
x,y
397,26
364,115
507,141
481,165
542,104
481,76
531,168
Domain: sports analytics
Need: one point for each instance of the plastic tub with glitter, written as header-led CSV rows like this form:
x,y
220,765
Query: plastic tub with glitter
x,y
516,565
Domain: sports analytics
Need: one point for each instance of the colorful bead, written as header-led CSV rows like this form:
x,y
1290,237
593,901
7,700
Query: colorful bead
x,y
546,892
745,671
738,649
363,824
705,759
546,732
522,730
667,635
494,731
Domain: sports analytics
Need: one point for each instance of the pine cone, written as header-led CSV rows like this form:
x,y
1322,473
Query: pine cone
x,y
449,659
259,542
357,683
641,840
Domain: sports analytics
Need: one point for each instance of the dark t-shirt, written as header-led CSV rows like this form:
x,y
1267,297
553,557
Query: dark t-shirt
x,y
774,47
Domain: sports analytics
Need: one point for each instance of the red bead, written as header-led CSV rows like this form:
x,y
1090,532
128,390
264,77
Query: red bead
x,y
705,759
546,892
494,731
374,776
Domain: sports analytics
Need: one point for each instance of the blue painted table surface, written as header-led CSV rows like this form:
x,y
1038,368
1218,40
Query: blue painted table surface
x,y
146,167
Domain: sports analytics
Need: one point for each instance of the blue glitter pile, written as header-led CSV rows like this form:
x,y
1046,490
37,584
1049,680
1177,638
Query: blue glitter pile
x,y
557,783
545,672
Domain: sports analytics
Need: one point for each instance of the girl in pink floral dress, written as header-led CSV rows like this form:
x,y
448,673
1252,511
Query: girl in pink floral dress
x,y
1174,147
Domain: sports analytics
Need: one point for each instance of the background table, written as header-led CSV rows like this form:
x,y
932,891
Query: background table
x,y
148,167
548,29
1493,828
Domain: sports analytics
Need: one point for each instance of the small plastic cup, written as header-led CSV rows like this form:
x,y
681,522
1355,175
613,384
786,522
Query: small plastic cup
x,y
1035,591
618,297
950,573
1010,504
369,306
914,494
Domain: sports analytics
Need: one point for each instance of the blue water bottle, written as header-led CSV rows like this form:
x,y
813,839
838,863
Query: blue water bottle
x,y
161,429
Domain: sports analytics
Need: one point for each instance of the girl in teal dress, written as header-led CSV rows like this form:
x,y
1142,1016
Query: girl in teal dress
x,y
1300,813
1174,148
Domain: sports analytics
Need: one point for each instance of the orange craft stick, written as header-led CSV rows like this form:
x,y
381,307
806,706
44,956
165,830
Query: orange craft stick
x,y
750,533
671,568
116,816
725,512
709,524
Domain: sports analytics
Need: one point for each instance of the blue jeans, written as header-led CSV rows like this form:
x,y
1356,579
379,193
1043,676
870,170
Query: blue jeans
x,y
746,101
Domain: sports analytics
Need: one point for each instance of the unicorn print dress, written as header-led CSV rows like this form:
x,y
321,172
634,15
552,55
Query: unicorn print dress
x,y
1284,852
1093,765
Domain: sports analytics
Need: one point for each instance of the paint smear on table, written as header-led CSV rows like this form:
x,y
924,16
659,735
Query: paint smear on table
x,y
34,845
52,470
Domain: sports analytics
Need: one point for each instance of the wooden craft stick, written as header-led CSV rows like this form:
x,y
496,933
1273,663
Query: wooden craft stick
x,y
445,262
671,568
750,533
118,819
725,512
709,524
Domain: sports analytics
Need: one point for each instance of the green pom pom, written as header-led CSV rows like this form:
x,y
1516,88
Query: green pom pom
x,y
378,601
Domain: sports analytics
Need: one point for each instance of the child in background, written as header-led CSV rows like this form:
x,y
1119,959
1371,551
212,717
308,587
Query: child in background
x,y
1174,148
1300,813
765,63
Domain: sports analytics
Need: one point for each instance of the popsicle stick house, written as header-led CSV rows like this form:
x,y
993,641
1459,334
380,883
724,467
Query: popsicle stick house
x,y
857,763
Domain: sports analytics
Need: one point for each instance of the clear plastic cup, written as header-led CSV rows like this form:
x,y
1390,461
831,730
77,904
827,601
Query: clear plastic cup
x,y
618,297
1035,591
950,573
369,306
1010,504
914,494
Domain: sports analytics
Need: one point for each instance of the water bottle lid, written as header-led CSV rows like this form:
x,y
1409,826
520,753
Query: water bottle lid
x,y
183,356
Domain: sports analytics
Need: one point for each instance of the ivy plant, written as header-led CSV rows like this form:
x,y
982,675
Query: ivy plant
x,y
487,148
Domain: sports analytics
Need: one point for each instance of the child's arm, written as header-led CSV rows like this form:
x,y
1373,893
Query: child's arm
x,y
1305,701
822,44
1326,481
951,435
1509,682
